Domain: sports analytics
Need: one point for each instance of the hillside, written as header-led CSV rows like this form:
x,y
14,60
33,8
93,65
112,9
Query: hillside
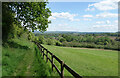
x,y
21,57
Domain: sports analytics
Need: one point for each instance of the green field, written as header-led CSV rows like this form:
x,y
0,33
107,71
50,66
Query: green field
x,y
87,62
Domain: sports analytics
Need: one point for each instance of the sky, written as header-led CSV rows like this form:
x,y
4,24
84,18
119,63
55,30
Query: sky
x,y
99,16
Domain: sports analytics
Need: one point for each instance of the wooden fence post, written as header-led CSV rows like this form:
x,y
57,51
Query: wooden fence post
x,y
41,49
43,53
47,56
52,62
63,65
62,69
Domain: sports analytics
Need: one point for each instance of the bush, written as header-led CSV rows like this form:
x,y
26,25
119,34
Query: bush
x,y
58,43
50,41
41,39
62,39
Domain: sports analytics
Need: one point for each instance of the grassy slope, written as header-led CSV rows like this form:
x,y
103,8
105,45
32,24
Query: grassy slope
x,y
21,59
88,62
0,60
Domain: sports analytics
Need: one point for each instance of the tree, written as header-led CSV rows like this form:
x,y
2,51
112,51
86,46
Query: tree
x,y
30,36
7,21
62,39
41,39
36,39
68,38
32,15
50,41
58,43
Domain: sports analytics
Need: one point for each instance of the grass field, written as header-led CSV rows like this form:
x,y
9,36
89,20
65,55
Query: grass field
x,y
21,58
87,62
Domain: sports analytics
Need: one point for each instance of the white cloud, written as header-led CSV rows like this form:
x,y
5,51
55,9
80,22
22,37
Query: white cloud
x,y
63,25
75,19
87,16
100,22
50,18
106,15
104,26
104,5
103,22
87,19
65,15
108,22
90,9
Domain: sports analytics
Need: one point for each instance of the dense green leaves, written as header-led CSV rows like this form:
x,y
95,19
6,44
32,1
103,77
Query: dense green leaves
x,y
19,17
33,15
41,39
7,21
62,39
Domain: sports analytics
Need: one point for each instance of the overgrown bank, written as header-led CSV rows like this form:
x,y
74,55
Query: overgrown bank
x,y
21,57
19,54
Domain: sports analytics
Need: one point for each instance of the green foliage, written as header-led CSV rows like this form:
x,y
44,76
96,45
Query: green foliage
x,y
34,15
29,36
39,66
101,41
36,39
68,38
41,39
7,21
62,39
50,41
58,43
117,39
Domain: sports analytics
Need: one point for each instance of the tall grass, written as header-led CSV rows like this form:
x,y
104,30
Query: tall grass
x,y
20,58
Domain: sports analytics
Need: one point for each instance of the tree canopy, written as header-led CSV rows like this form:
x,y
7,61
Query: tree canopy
x,y
31,15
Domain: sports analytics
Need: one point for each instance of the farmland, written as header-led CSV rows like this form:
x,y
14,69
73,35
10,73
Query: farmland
x,y
87,62
79,44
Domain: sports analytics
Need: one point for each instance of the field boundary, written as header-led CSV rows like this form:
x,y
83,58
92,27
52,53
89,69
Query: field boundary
x,y
89,48
45,52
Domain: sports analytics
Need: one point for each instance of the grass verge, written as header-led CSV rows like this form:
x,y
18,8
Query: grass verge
x,y
20,58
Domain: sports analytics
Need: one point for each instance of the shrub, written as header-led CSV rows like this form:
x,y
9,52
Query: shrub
x,y
62,39
58,43
41,39
50,41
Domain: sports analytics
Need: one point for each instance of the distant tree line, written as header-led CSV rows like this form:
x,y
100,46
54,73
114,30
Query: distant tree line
x,y
102,41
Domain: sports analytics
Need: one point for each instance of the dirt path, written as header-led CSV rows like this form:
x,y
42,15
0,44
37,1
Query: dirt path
x,y
25,65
